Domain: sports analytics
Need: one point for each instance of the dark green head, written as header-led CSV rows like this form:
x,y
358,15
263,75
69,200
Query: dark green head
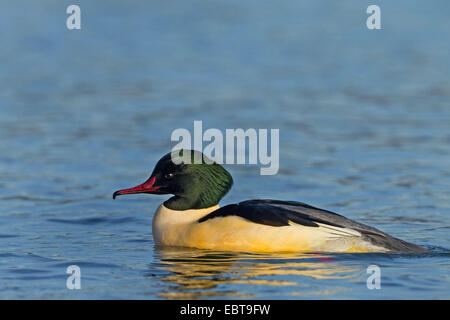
x,y
195,181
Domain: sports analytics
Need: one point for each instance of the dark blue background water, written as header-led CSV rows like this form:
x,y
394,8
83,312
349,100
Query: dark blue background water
x,y
364,130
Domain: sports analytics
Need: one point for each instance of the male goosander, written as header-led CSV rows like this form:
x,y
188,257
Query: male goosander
x,y
192,217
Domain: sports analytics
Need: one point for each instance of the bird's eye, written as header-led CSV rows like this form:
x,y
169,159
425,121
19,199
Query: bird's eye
x,y
169,175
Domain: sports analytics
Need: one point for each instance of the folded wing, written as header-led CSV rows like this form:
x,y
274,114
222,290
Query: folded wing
x,y
278,213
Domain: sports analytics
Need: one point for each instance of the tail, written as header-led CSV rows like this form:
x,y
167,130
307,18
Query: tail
x,y
394,245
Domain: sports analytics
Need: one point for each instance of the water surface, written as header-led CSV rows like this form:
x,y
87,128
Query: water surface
x,y
364,131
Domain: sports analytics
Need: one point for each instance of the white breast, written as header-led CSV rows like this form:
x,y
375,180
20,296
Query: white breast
x,y
172,227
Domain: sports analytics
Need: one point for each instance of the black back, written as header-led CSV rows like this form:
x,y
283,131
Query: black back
x,y
272,213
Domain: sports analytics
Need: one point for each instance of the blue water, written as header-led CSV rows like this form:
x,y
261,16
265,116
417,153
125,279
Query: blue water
x,y
364,121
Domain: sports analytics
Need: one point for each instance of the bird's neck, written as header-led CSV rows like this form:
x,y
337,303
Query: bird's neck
x,y
186,203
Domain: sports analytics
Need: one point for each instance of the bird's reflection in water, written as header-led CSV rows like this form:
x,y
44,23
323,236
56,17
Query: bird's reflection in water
x,y
192,274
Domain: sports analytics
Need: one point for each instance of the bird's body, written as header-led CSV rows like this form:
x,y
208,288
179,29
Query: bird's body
x,y
193,218
234,233
228,228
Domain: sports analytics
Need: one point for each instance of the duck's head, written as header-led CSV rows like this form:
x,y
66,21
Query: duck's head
x,y
193,185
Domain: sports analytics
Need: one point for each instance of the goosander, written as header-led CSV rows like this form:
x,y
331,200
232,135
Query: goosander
x,y
193,218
